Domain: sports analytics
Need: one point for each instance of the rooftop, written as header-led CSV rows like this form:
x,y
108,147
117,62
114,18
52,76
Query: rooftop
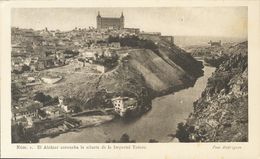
x,y
32,107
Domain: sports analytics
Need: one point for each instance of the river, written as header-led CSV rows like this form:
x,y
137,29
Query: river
x,y
167,111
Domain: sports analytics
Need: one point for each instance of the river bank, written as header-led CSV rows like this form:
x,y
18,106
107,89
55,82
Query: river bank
x,y
74,123
221,113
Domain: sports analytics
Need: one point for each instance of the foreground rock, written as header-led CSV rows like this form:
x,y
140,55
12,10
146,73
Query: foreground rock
x,y
221,114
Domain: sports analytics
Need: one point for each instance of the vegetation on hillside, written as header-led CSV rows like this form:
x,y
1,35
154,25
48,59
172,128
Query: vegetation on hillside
x,y
221,114
134,41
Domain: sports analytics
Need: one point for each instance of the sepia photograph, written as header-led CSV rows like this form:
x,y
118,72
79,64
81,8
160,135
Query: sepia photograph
x,y
129,75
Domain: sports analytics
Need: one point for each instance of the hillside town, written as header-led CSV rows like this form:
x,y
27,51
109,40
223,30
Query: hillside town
x,y
43,58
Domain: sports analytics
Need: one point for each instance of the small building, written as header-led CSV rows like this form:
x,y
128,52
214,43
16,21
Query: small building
x,y
101,68
28,111
29,122
60,58
170,39
124,104
27,61
115,45
34,59
132,30
154,36
93,46
31,79
52,111
33,68
49,61
109,53
64,106
40,65
89,55
214,44
101,44
61,100
42,115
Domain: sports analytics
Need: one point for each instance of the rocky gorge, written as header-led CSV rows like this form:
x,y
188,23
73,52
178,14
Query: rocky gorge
x,y
221,113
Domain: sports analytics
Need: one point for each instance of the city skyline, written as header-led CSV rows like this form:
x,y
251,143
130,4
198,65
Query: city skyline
x,y
191,21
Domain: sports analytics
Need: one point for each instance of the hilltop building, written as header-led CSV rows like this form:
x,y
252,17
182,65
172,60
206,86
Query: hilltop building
x,y
110,22
212,43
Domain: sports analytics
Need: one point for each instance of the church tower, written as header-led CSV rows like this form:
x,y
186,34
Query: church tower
x,y
122,21
98,21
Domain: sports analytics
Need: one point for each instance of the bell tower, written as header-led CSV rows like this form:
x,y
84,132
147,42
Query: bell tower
x,y
122,21
98,21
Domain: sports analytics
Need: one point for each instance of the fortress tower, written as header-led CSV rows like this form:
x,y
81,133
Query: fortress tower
x,y
110,22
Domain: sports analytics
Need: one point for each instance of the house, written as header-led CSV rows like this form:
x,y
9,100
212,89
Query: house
x,y
214,44
101,44
27,61
34,64
27,111
88,55
29,122
61,100
101,68
49,61
155,36
114,45
34,60
31,79
64,106
19,61
52,111
109,53
32,68
60,58
132,30
124,104
169,39
40,65
42,115
93,46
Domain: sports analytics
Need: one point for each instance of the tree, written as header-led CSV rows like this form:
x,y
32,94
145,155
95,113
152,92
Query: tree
x,y
25,68
182,134
16,93
45,99
153,141
124,138
77,109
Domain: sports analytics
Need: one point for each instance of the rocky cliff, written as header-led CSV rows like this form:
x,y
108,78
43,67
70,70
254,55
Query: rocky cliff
x,y
221,114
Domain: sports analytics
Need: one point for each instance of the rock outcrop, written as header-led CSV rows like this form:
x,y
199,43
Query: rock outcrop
x,y
221,114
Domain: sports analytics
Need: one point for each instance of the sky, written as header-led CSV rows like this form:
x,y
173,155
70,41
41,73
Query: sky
x,y
180,21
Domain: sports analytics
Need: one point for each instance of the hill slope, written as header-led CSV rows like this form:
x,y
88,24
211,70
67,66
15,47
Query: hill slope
x,y
142,73
221,114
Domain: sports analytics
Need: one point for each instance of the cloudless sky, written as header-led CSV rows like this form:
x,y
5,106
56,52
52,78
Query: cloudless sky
x,y
192,21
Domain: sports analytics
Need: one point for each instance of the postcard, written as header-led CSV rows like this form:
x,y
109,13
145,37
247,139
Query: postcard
x,y
130,79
